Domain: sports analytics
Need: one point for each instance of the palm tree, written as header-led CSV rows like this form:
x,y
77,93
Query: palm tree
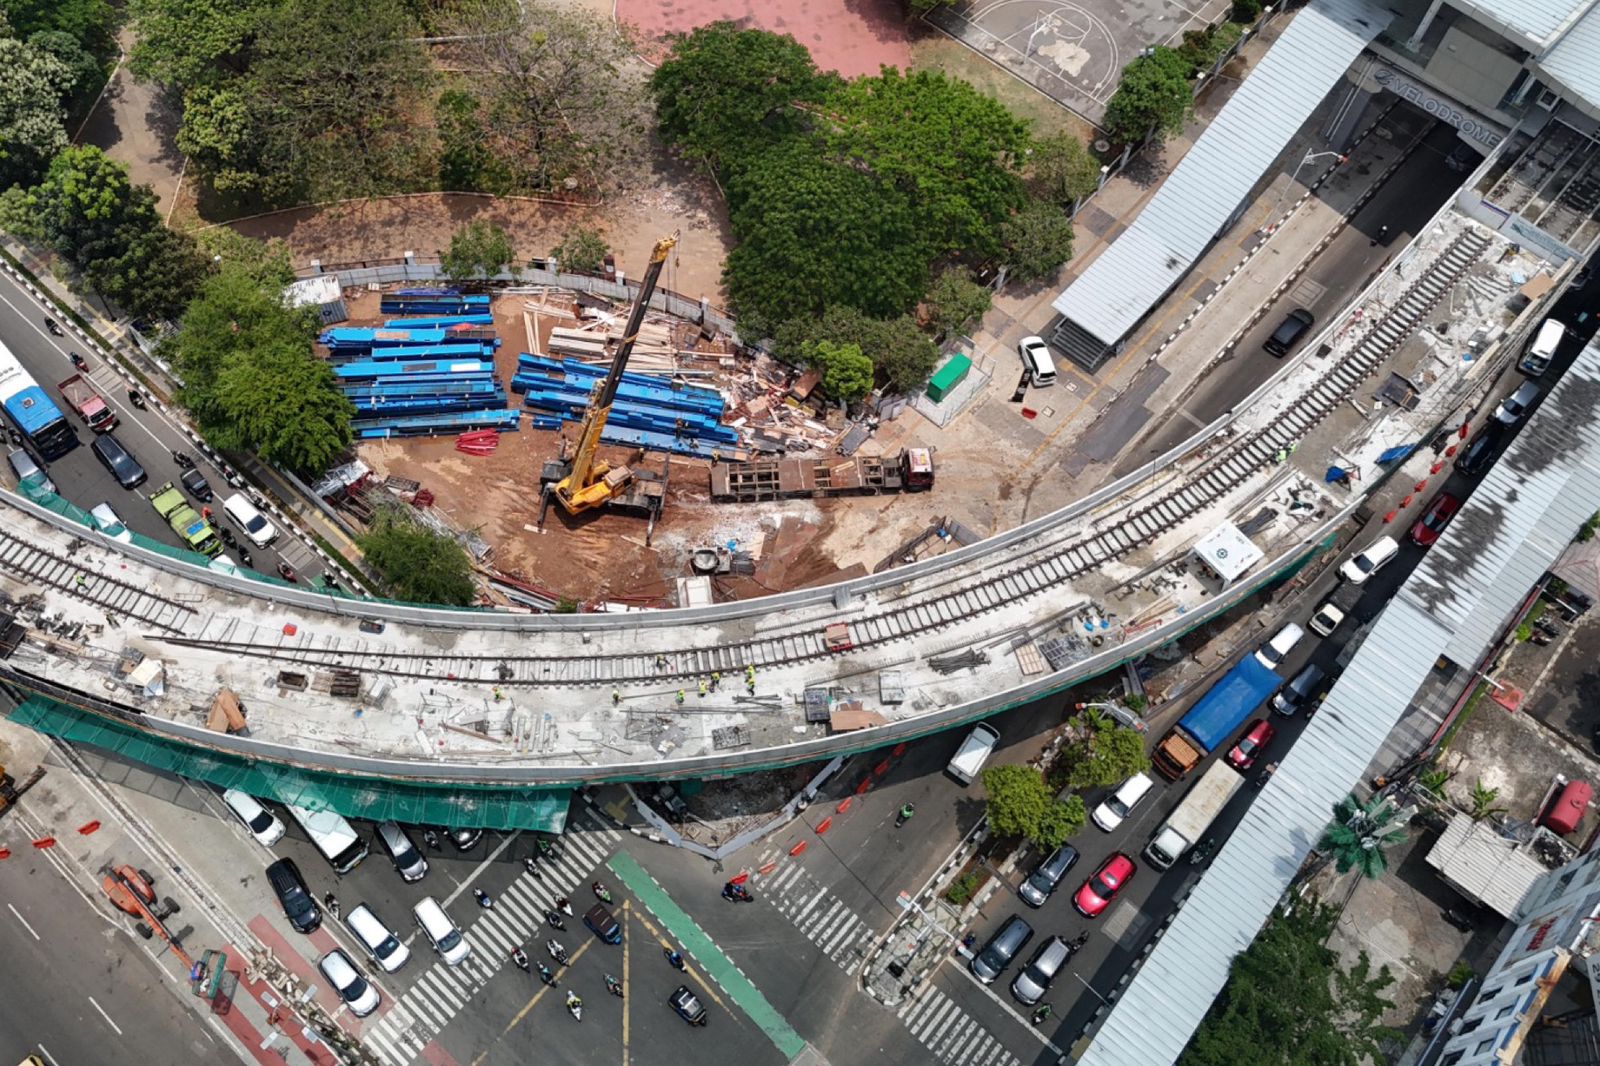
x,y
1483,802
1360,833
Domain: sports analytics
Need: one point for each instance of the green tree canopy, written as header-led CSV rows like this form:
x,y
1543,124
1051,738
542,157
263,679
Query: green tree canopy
x,y
583,249
1154,94
92,24
1062,170
187,44
419,564
900,351
1111,755
955,299
725,94
813,234
1038,240
86,70
1021,804
1360,832
33,84
478,250
1288,1002
846,373
949,149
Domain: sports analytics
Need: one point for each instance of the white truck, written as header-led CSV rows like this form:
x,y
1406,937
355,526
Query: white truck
x,y
1194,815
973,753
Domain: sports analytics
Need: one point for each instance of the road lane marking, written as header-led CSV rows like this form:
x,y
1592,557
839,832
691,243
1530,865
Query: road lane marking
x,y
106,1016
23,920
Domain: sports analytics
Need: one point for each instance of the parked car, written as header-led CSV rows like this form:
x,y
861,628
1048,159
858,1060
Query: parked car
x,y
687,1005
1034,981
1277,649
1120,803
107,522
1044,879
346,980
1513,407
408,861
1369,560
265,826
1289,332
1327,618
1103,885
1434,519
1292,696
381,942
1480,451
1257,735
28,471
1004,946
465,839
294,895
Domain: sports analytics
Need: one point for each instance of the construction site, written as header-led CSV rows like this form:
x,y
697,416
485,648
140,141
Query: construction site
x,y
705,471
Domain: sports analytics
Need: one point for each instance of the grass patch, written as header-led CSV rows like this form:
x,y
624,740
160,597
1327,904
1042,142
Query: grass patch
x,y
963,888
1466,713
940,53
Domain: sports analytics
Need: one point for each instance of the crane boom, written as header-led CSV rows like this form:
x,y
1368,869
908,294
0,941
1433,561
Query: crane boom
x,y
588,485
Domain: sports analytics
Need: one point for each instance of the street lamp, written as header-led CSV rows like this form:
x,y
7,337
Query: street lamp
x,y
1311,157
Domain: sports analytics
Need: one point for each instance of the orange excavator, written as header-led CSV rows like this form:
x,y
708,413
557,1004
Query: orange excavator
x,y
133,892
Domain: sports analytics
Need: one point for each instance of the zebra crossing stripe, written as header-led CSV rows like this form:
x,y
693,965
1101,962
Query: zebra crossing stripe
x,y
931,1038
929,1017
850,922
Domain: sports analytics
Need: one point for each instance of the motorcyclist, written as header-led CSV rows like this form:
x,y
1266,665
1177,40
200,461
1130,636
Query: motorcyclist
x,y
554,918
675,957
520,957
613,985
1041,1012
484,899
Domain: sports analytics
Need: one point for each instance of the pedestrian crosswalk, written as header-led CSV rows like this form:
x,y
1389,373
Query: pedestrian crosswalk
x,y
440,992
949,1033
814,910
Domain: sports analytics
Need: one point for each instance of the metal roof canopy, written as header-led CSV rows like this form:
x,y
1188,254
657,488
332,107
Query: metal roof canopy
x,y
1537,22
1520,518
1194,203
1485,865
1570,62
1228,552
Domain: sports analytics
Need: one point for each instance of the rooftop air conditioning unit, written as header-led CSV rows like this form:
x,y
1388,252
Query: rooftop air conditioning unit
x,y
1548,100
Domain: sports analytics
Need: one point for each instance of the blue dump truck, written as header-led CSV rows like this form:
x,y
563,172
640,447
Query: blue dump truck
x,y
1212,720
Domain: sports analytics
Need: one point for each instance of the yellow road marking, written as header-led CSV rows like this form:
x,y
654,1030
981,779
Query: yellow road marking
x,y
627,909
705,986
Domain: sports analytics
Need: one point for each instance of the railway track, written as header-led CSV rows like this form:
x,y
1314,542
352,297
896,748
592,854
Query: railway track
x,y
117,598
1051,568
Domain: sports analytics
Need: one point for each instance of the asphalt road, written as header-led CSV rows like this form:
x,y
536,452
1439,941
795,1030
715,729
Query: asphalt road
x,y
78,990
147,435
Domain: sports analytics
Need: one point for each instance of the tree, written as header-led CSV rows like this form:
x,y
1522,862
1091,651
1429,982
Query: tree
x,y
186,44
949,149
1111,755
956,299
218,135
1020,804
583,250
1062,170
419,564
479,250
561,103
465,162
1288,1001
283,404
1483,802
153,273
82,202
900,351
725,94
1038,240
86,72
267,263
91,24
33,84
1153,96
846,373
1360,833
813,233
1245,12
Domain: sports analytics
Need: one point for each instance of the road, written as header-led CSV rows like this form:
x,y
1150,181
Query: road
x,y
77,988
148,435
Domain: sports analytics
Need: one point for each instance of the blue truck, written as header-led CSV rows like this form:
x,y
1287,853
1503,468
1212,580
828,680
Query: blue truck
x,y
1215,717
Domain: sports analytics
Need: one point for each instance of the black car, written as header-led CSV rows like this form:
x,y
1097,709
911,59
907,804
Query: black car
x,y
687,1004
1289,332
1479,453
600,922
196,484
115,458
290,888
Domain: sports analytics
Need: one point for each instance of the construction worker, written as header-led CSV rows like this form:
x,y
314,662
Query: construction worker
x,y
702,690
661,662
498,695
79,580
716,679
680,695
750,675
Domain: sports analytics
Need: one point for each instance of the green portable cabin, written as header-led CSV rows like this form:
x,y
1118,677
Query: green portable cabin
x,y
949,376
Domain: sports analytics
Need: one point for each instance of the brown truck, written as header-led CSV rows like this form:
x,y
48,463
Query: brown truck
x,y
90,406
793,479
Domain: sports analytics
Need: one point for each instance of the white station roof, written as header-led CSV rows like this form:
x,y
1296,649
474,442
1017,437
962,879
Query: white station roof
x,y
1228,551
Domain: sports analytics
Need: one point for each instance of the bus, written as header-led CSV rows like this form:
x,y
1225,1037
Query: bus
x,y
33,412
339,843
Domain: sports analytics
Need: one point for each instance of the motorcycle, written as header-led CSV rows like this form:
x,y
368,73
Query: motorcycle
x,y
905,815
136,398
50,324
14,436
520,957
1546,625
430,838
613,986
1539,637
548,849
555,920
556,951
673,957
546,976
227,536
736,893
485,900
564,905
1202,851
1461,921
1265,775
575,1005
246,558
532,865
1077,942
183,460
286,572
78,361
601,892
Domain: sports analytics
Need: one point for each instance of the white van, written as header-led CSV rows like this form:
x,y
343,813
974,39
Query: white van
x,y
441,932
382,944
1536,360
242,513
1117,806
346,980
1037,362
341,845
973,753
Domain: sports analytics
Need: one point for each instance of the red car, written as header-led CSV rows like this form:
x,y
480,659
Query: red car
x,y
1243,755
1432,523
1103,885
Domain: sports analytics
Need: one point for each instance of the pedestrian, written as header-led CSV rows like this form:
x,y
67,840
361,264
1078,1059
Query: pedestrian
x,y
205,512
498,694
331,902
661,662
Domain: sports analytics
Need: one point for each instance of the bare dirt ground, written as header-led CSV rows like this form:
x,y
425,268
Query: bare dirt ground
x,y
852,37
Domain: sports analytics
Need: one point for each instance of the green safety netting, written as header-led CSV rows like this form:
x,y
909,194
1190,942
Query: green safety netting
x,y
375,798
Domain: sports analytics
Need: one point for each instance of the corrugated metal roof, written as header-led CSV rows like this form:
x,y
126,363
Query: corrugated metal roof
x,y
1130,276
1537,20
1487,865
1571,64
1546,485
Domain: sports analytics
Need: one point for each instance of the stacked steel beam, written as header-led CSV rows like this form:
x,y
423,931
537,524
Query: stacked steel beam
x,y
432,302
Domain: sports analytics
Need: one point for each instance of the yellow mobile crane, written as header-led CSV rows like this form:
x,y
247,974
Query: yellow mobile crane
x,y
589,482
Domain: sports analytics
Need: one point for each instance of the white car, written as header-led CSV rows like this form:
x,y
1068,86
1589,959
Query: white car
x,y
262,823
1278,648
1369,560
1327,619
107,522
346,980
251,522
381,942
1117,806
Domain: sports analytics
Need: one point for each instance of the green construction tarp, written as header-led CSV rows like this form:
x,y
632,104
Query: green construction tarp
x,y
449,804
